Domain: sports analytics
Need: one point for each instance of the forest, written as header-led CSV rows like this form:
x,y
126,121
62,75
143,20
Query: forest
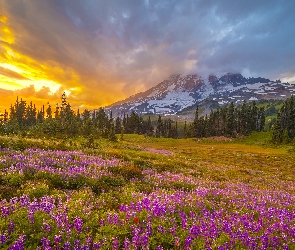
x,y
228,120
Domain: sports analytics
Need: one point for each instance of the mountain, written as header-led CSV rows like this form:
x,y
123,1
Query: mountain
x,y
178,93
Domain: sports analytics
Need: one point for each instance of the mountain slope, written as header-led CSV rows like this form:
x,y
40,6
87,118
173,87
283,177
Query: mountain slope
x,y
179,92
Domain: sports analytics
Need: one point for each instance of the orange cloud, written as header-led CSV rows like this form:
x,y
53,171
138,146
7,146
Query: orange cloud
x,y
11,74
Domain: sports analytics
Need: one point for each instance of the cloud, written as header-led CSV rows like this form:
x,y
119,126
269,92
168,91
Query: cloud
x,y
104,51
11,74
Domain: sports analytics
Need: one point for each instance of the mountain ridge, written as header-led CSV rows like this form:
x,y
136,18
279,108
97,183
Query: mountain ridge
x,y
179,92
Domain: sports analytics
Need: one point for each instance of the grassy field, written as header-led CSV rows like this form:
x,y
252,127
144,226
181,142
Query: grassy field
x,y
147,193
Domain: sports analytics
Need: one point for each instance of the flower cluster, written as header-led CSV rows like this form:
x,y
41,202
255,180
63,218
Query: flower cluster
x,y
208,215
63,163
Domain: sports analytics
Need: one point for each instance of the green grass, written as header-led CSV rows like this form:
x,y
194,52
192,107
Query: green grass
x,y
250,159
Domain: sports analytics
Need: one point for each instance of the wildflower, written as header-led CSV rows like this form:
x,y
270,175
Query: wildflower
x,y
136,220
177,242
78,224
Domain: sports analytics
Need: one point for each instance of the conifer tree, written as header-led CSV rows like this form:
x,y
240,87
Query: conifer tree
x,y
118,125
112,135
261,119
49,112
175,131
253,117
185,134
41,115
124,122
57,112
87,125
291,118
160,127
230,120
122,133
196,132
278,131
149,127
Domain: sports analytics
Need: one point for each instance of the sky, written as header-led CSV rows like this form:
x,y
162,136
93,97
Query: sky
x,y
103,51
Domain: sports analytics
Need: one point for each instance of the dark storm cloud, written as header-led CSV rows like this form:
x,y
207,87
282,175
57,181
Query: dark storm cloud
x,y
131,45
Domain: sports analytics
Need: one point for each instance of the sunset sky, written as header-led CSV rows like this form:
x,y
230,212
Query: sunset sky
x,y
102,51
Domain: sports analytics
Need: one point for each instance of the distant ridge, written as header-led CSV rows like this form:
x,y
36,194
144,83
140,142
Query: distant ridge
x,y
180,92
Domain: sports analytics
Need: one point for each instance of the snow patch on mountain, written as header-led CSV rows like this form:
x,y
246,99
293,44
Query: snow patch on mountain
x,y
179,92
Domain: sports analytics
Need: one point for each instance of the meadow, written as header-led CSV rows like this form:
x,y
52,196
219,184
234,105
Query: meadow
x,y
147,193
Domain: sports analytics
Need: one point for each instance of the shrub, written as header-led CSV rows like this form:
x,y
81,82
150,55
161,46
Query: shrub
x,y
7,192
13,179
35,189
131,172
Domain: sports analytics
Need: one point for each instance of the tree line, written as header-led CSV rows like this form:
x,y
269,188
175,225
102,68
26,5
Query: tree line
x,y
62,120
284,126
227,121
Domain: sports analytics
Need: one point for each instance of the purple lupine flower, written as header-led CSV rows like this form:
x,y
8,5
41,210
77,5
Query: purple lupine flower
x,y
225,246
57,239
177,242
5,211
46,227
19,244
115,243
126,244
67,245
96,245
88,241
78,224
149,229
77,245
45,243
3,238
161,229
31,217
144,239
188,242
24,200
11,227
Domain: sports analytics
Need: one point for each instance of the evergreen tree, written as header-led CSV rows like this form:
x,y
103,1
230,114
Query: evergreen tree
x,y
284,125
48,112
56,113
230,120
185,133
112,136
122,133
102,123
118,125
175,131
291,117
261,119
254,117
87,125
132,124
5,116
278,131
124,122
195,129
160,127
149,127
41,115
31,115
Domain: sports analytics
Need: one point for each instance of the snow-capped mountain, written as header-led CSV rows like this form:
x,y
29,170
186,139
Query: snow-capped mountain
x,y
179,92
